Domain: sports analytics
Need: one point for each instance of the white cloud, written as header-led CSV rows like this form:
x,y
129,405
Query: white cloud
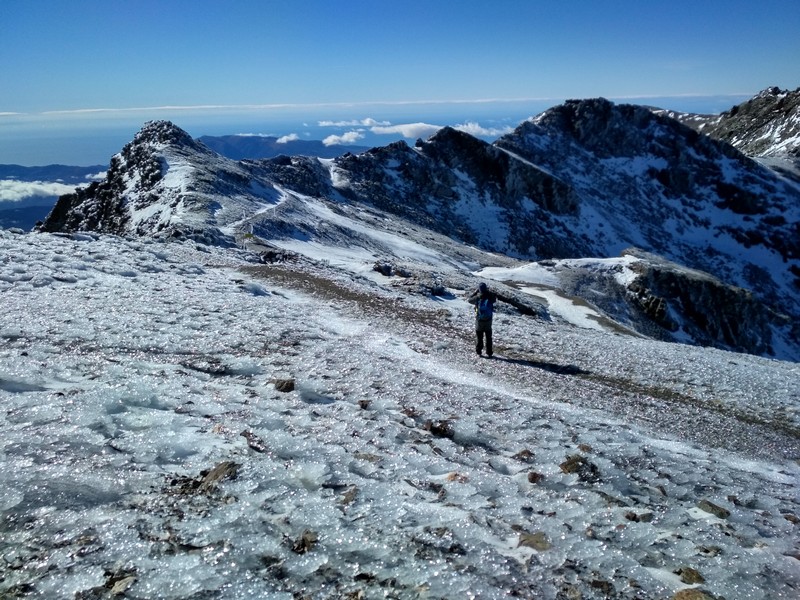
x,y
346,138
292,137
14,191
478,130
368,122
408,130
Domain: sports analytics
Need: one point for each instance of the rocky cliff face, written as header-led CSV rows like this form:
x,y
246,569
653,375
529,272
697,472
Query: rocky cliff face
x,y
701,307
767,125
585,179
647,181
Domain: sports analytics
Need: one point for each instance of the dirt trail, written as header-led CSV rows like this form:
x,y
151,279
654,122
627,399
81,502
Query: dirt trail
x,y
670,412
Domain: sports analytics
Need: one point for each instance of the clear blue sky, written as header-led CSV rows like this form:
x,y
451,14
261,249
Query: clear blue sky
x,y
77,54
72,55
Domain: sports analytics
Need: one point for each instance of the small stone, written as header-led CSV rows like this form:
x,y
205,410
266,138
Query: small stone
x,y
534,477
717,511
693,594
645,517
605,587
791,518
350,495
224,470
690,576
586,471
571,592
710,550
537,541
255,442
284,385
524,456
121,586
442,428
305,542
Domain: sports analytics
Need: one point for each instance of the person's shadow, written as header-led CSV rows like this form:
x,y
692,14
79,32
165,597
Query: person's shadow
x,y
545,366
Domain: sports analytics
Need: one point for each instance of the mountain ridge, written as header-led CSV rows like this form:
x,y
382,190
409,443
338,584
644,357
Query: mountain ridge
x,y
765,127
585,179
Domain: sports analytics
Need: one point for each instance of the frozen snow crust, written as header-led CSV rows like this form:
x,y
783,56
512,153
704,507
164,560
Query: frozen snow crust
x,y
149,452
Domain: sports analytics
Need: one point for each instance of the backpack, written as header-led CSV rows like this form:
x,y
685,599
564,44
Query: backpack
x,y
484,309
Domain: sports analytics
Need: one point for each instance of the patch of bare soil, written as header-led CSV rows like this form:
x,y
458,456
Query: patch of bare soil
x,y
350,297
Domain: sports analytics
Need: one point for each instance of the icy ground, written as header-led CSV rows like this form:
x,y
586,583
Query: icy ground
x,y
153,446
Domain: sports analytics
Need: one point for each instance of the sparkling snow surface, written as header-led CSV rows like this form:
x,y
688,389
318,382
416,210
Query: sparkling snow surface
x,y
401,465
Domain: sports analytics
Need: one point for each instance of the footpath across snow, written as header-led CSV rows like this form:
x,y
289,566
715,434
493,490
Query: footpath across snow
x,y
180,422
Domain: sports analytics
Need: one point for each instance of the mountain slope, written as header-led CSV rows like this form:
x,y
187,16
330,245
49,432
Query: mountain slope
x,y
181,422
164,183
767,125
587,179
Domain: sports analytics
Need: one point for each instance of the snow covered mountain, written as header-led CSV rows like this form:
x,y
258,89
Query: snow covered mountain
x,y
766,127
694,223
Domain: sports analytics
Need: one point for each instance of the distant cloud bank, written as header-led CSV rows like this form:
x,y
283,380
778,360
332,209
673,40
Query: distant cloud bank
x,y
15,191
407,130
349,137
292,137
479,131
368,122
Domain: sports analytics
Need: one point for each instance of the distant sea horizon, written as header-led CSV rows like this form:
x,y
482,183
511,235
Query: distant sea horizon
x,y
83,138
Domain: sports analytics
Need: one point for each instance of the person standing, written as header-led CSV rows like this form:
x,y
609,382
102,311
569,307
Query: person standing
x,y
483,299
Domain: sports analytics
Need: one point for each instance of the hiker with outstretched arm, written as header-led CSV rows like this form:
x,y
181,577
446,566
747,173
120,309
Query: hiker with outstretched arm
x,y
483,299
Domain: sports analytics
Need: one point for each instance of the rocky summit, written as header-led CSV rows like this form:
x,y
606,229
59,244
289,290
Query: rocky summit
x,y
704,241
767,125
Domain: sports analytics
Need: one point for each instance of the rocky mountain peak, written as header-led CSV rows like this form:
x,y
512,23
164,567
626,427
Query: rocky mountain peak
x,y
613,130
767,125
162,133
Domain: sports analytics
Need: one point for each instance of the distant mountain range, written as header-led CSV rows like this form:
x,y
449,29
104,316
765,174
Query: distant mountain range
x,y
240,147
710,238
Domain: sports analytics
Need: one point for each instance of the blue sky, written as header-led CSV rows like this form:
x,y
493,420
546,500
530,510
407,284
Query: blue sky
x,y
90,63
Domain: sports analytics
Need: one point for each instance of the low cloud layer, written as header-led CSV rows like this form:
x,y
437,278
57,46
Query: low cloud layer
x,y
368,122
12,190
292,137
408,130
350,137
478,130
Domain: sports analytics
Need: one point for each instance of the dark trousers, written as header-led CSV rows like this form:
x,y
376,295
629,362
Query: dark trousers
x,y
483,329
